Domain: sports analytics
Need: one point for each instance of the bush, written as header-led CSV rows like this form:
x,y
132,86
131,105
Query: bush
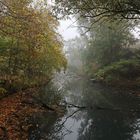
x,y
126,69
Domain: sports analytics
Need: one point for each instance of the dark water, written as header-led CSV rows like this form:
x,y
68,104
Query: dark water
x,y
111,114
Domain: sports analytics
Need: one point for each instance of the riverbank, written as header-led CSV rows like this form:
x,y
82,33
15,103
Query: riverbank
x,y
123,74
15,111
131,86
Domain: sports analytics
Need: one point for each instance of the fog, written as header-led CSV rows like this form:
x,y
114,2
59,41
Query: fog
x,y
67,29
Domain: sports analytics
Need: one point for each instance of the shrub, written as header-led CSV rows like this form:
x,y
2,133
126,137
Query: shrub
x,y
127,69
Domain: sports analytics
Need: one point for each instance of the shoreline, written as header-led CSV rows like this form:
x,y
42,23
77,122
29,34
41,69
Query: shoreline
x,y
16,109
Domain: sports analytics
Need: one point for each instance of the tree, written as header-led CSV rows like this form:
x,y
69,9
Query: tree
x,y
30,46
74,49
99,9
107,43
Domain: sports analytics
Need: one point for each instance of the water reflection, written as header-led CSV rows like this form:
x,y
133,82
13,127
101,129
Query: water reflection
x,y
119,120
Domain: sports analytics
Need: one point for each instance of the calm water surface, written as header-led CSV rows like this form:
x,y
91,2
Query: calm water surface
x,y
110,114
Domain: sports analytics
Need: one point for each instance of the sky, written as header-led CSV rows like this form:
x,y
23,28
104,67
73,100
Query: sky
x,y
67,30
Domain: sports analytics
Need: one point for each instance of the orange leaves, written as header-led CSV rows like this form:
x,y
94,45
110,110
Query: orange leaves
x,y
13,115
35,47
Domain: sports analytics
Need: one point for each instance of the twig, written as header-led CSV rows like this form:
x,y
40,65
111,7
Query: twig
x,y
76,106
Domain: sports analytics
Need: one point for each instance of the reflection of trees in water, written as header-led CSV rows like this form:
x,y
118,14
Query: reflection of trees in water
x,y
50,126
73,90
95,124
104,124
108,124
47,127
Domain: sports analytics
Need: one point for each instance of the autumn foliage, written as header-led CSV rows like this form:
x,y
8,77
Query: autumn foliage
x,y
30,46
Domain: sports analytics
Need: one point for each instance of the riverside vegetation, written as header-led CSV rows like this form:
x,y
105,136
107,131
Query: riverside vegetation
x,y
110,47
31,53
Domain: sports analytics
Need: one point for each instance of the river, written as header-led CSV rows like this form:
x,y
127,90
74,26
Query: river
x,y
110,114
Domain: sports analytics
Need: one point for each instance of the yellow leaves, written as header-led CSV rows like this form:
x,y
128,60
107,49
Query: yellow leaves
x,y
37,44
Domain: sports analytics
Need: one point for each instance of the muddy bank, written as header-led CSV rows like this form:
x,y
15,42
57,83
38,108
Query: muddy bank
x,y
15,113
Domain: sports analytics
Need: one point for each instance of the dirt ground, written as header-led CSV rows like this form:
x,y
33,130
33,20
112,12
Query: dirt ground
x,y
14,114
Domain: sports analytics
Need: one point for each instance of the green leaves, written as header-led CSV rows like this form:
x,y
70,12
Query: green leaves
x,y
100,9
30,46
